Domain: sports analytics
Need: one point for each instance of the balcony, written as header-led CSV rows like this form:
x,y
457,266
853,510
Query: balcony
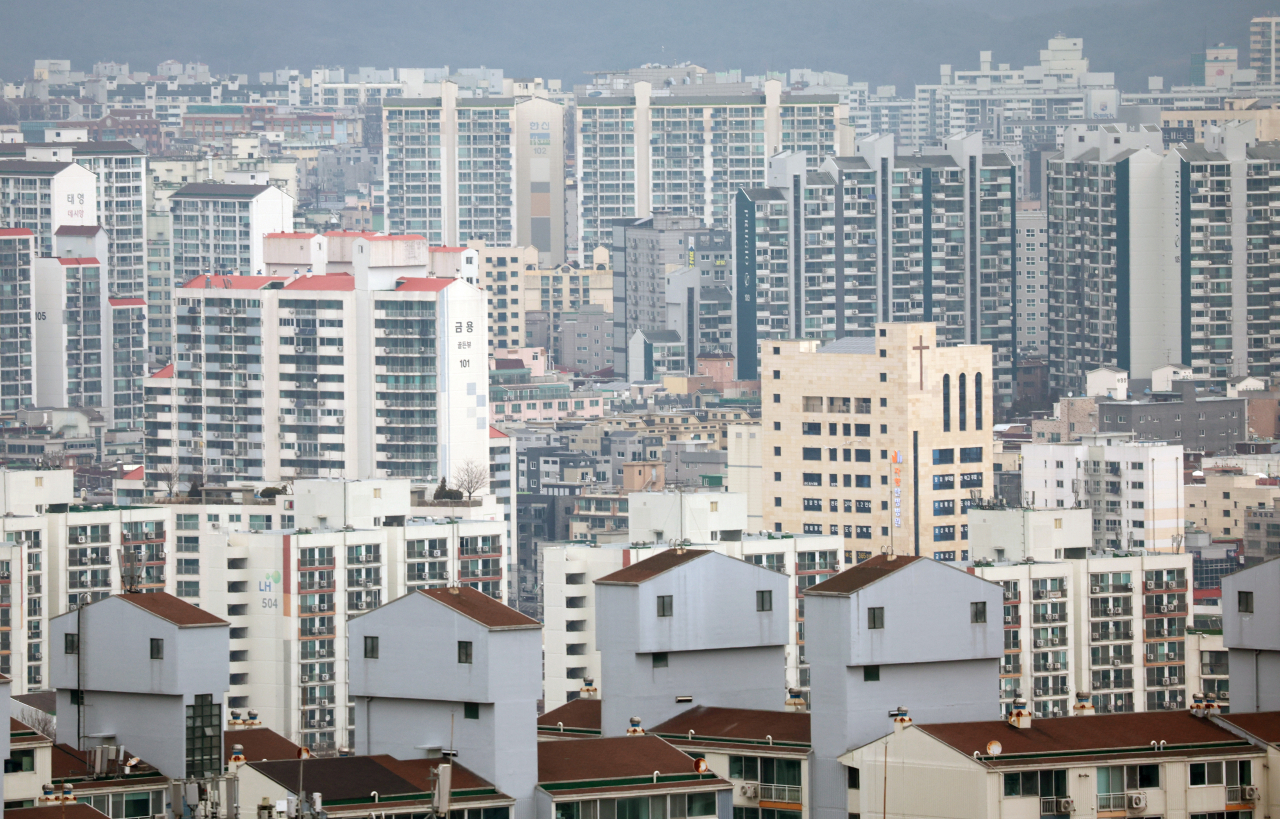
x,y
791,794
1050,617
1213,669
1050,691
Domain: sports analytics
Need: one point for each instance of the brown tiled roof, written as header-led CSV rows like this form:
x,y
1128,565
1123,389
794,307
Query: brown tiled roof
x,y
78,230
70,810
46,701
1105,734
864,574
175,610
481,607
738,723
338,778
258,744
69,763
581,714
591,760
1264,725
22,734
419,772
653,566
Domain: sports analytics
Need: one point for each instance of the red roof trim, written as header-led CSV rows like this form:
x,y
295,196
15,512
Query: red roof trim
x,y
73,261
404,237
423,285
164,372
15,232
336,281
128,302
291,235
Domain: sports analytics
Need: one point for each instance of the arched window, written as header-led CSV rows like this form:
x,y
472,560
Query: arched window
x,y
946,403
964,406
977,401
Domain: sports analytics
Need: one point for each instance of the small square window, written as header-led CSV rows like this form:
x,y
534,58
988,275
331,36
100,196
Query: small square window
x,y
71,644
664,605
875,617
871,673
157,648
471,710
884,377
1245,602
978,612
370,648
659,659
464,651
764,601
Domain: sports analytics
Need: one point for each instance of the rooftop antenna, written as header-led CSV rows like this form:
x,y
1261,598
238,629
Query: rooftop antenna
x,y
130,570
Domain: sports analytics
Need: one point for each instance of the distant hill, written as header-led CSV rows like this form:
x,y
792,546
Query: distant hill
x,y
882,41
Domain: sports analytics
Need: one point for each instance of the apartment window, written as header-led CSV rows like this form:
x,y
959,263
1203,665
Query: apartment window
x,y
157,648
875,617
812,453
1245,602
855,779
764,601
978,612
871,673
464,651
659,659
71,644
1232,772
371,648
471,710
664,605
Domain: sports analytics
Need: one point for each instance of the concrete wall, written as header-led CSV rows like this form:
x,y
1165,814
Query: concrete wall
x,y
1253,639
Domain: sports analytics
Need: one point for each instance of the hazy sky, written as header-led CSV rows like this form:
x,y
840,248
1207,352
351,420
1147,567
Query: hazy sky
x,y
880,41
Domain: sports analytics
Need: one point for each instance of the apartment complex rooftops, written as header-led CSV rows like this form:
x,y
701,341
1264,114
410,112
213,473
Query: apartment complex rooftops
x,y
480,607
632,764
259,743
738,728
203,190
1079,739
576,718
348,782
175,610
651,567
862,575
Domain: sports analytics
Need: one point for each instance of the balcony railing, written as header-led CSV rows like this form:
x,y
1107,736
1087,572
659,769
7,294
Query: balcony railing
x,y
1213,669
793,794
1111,801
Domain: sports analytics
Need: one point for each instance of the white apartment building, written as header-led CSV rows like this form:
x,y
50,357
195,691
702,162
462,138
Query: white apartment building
x,y
371,375
460,169
1031,282
1134,488
686,150
569,572
121,171
286,571
1113,625
219,229
42,196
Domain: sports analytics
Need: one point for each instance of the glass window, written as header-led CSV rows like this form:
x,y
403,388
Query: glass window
x,y
664,605
875,617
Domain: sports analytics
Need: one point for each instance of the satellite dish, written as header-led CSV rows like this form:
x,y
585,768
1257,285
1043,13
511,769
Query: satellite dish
x,y
994,747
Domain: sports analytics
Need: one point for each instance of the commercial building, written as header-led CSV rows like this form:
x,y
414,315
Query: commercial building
x,y
376,375
219,229
488,168
878,439
1134,488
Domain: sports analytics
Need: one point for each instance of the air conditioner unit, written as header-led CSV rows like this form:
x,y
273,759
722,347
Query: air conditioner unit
x,y
1164,609
750,791
339,349
1053,617
1096,589
324,678
38,678
1136,801
1165,680
1115,663
81,539
1250,793
1128,586
213,525
1151,584
1008,619
305,678
1056,666
324,703
437,553
360,604
1008,669
1151,658
1053,641
1096,636
1164,632
1111,609
323,607
1039,643
322,652
1065,805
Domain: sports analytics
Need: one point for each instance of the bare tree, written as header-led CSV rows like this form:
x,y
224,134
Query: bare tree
x,y
470,477
169,477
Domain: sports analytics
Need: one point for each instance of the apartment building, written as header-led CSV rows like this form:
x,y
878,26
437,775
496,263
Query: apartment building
x,y
219,229
369,375
568,571
460,169
1220,505
850,245
1134,488
121,171
44,195
19,248
685,151
915,445
1264,48
1249,615
585,340
1111,627
1031,288
1206,767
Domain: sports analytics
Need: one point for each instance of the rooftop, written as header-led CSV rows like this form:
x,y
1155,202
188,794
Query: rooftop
x,y
732,726
616,763
1087,738
574,718
205,190
651,567
258,744
176,611
862,575
1264,725
480,607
